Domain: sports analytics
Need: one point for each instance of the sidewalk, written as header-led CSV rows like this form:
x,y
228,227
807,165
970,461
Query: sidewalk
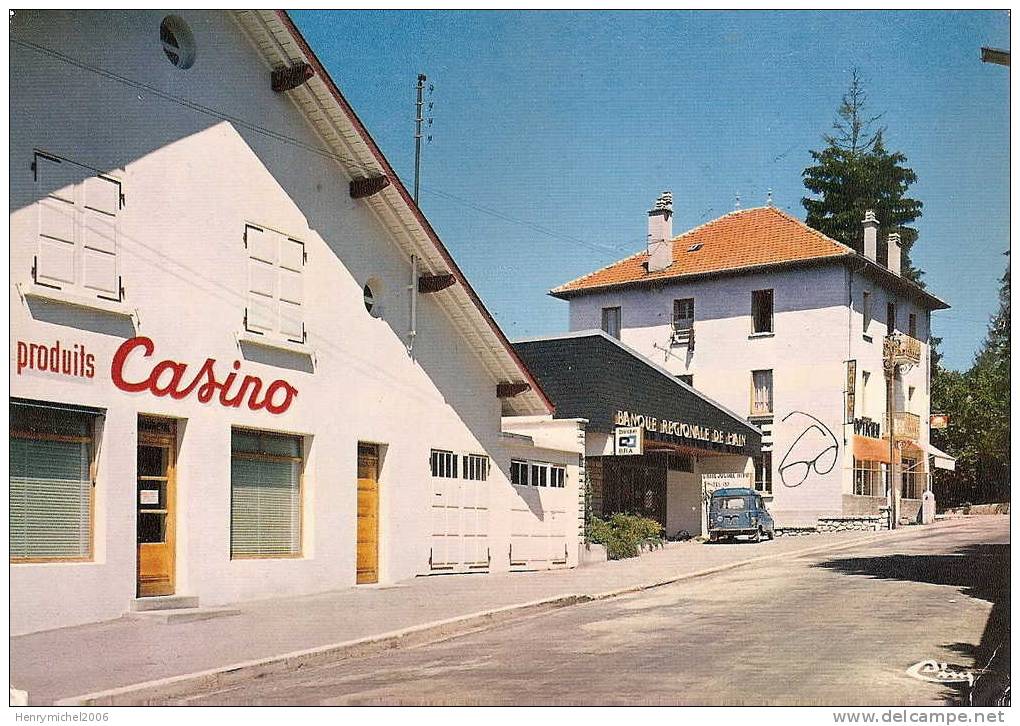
x,y
57,664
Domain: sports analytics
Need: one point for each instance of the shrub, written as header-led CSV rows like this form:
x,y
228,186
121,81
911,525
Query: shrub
x,y
624,534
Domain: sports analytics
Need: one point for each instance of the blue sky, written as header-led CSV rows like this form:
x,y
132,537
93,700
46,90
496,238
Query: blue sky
x,y
555,131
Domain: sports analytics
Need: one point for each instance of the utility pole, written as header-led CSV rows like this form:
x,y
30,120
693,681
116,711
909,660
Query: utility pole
x,y
417,132
890,348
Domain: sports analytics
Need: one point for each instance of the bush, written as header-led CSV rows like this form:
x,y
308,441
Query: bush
x,y
624,534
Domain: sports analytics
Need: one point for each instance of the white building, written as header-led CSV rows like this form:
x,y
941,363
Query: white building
x,y
243,364
778,322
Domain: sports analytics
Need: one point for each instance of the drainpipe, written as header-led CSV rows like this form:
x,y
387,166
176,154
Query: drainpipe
x,y
413,289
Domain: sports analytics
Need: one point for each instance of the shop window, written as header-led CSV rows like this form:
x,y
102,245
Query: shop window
x,y
611,321
476,468
78,228
557,477
519,472
912,481
890,318
683,314
761,393
50,482
868,478
761,310
912,325
444,464
866,311
763,472
275,284
265,494
539,475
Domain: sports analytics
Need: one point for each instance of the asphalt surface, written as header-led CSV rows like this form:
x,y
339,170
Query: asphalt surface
x,y
836,629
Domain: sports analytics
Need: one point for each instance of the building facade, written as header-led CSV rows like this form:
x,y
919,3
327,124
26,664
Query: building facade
x,y
653,445
785,326
243,365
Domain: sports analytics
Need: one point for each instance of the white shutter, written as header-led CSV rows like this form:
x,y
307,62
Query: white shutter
x,y
99,240
77,244
275,285
58,222
265,501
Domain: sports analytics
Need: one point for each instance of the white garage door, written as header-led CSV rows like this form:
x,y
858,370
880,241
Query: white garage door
x,y
460,512
539,525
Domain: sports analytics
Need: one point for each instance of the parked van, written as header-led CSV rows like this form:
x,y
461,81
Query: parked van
x,y
739,512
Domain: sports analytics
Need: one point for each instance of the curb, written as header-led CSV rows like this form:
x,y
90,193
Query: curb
x,y
160,691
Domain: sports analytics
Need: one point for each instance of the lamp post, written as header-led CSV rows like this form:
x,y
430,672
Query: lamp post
x,y
890,346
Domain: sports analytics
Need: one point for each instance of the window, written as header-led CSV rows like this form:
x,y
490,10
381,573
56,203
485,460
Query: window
x,y
369,298
868,479
611,321
761,393
476,468
890,318
865,379
557,477
912,325
687,378
763,472
265,494
683,314
867,311
761,310
78,226
50,483
539,475
910,398
519,472
912,480
444,464
275,285
178,42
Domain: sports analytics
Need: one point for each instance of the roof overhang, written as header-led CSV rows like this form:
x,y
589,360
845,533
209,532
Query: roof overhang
x,y
281,44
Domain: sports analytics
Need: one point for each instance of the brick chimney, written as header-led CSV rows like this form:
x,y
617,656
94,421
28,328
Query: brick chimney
x,y
870,235
660,233
893,255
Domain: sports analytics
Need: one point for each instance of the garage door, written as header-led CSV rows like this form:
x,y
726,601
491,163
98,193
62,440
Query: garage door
x,y
539,525
460,512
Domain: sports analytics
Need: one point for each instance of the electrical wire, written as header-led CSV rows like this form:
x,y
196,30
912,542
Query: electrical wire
x,y
311,148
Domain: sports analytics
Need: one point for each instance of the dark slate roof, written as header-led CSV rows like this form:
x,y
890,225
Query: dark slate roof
x,y
592,375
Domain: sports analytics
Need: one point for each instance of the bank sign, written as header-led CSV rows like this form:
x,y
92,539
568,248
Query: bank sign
x,y
680,429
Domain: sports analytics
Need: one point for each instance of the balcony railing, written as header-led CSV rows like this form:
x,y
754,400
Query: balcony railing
x,y
905,349
908,425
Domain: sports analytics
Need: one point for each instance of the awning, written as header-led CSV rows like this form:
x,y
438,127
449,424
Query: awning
x,y
941,460
869,449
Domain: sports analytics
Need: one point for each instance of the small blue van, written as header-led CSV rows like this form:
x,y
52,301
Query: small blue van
x,y
739,512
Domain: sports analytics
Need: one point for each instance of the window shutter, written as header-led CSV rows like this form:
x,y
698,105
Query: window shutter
x,y
57,222
265,502
275,284
292,255
99,240
49,498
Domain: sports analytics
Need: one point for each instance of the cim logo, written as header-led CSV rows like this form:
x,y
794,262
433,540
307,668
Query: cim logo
x,y
172,378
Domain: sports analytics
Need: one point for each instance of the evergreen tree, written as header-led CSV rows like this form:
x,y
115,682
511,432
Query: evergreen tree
x,y
977,402
855,172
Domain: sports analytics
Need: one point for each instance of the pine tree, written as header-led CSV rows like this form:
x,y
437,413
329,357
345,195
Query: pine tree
x,y
855,172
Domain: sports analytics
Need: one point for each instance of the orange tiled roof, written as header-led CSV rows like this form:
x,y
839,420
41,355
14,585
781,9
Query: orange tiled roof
x,y
745,238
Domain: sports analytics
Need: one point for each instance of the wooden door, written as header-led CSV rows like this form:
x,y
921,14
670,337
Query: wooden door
x,y
368,514
155,501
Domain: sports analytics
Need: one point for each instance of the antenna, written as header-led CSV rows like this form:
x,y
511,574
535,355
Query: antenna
x,y
417,131
768,201
737,205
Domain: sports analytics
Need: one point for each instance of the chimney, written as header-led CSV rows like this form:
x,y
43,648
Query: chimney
x,y
893,255
660,233
870,235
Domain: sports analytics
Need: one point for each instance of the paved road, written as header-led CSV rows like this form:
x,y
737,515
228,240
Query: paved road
x,y
836,629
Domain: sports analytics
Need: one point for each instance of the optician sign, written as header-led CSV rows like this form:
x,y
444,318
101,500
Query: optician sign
x,y
680,429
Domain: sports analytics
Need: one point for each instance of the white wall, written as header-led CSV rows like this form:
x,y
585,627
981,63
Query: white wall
x,y
191,183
